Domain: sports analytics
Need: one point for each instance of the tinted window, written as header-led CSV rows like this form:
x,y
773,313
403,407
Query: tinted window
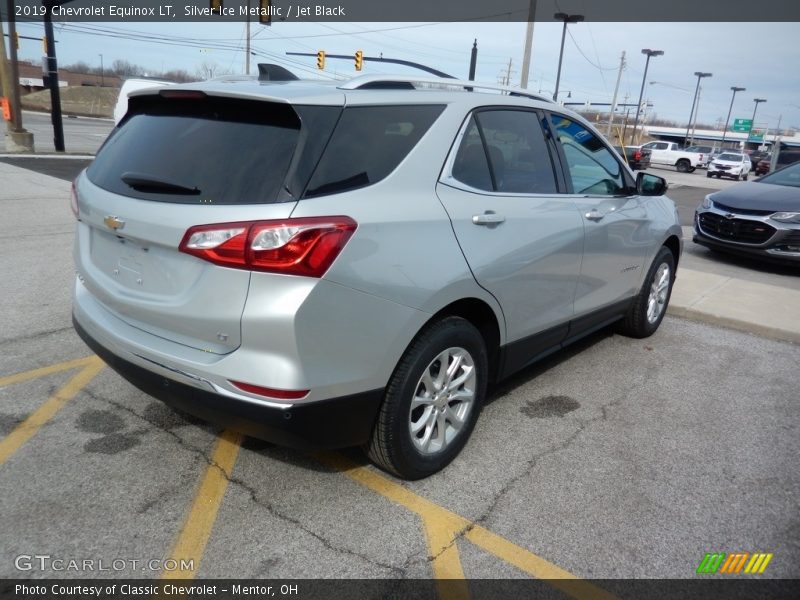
x,y
470,165
592,167
367,144
733,157
198,151
517,152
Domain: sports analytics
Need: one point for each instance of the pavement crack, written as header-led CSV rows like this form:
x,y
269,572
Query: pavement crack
x,y
35,336
530,465
396,571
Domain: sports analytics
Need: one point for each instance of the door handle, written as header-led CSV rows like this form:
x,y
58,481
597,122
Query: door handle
x,y
488,218
594,215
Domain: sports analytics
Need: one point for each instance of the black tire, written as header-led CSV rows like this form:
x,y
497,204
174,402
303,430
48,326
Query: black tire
x,y
636,322
393,446
744,177
708,174
692,169
683,166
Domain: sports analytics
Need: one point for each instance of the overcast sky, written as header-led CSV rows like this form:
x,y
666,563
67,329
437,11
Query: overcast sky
x,y
762,57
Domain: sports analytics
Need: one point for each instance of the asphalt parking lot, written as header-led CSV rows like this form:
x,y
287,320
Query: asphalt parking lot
x,y
618,458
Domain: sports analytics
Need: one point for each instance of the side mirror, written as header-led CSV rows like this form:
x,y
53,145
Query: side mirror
x,y
650,185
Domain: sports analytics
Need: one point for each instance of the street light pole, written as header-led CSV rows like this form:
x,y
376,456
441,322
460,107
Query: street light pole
x,y
753,120
699,76
727,120
649,53
567,19
102,72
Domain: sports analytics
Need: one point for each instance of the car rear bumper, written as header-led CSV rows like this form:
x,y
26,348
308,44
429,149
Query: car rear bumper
x,y
324,424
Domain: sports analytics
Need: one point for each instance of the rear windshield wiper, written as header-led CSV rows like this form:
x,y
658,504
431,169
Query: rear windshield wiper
x,y
152,185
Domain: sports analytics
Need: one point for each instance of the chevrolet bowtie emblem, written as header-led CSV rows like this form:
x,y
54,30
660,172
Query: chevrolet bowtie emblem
x,y
113,222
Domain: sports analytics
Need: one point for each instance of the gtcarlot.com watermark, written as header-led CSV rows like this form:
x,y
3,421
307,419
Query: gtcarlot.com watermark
x,y
58,564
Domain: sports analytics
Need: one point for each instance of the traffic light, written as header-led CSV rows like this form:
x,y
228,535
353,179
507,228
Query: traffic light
x,y
264,16
359,60
216,5
16,40
321,59
44,46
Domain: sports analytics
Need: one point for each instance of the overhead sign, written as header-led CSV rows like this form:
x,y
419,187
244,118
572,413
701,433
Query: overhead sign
x,y
742,125
757,135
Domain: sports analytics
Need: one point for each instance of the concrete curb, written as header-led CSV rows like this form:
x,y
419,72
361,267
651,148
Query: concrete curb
x,y
764,309
698,316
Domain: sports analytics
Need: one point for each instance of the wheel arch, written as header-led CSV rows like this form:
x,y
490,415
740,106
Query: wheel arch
x,y
673,244
481,315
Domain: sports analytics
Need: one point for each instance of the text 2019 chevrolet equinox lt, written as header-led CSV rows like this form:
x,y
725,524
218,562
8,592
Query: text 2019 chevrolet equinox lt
x,y
353,263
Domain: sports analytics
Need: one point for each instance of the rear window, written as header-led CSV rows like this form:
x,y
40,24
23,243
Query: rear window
x,y
732,157
199,151
368,144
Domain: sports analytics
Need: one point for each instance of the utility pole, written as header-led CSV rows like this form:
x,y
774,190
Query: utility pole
x,y
650,54
776,146
505,79
697,110
616,90
526,57
473,60
52,76
17,138
625,123
247,44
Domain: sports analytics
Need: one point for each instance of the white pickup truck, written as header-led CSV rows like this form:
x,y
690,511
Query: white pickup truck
x,y
670,153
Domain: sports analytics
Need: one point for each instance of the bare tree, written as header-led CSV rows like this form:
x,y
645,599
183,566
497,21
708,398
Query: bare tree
x,y
123,68
208,69
179,75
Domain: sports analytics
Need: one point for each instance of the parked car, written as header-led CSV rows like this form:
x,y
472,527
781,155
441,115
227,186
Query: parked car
x,y
670,153
705,153
762,166
758,155
352,263
785,157
758,218
730,164
638,159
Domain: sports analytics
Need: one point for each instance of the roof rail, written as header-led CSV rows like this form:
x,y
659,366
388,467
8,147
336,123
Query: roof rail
x,y
402,82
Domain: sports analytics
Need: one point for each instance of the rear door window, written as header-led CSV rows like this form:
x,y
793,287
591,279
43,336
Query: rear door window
x,y
518,158
368,144
199,150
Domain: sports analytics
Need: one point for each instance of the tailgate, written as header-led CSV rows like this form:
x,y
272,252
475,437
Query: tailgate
x,y
138,273
177,160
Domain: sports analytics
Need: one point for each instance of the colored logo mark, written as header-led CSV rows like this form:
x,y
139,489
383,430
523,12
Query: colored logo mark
x,y
734,562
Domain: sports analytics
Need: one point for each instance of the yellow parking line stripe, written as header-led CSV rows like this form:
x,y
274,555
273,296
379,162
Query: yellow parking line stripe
x,y
442,526
191,542
25,430
49,370
535,566
447,570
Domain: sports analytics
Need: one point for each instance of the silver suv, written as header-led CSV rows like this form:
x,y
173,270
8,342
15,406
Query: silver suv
x,y
328,265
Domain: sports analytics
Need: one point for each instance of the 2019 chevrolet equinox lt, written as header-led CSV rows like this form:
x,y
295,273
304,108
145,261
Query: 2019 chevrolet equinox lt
x,y
353,263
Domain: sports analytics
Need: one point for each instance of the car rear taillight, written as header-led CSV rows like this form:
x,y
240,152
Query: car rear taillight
x,y
73,202
304,246
270,392
637,155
